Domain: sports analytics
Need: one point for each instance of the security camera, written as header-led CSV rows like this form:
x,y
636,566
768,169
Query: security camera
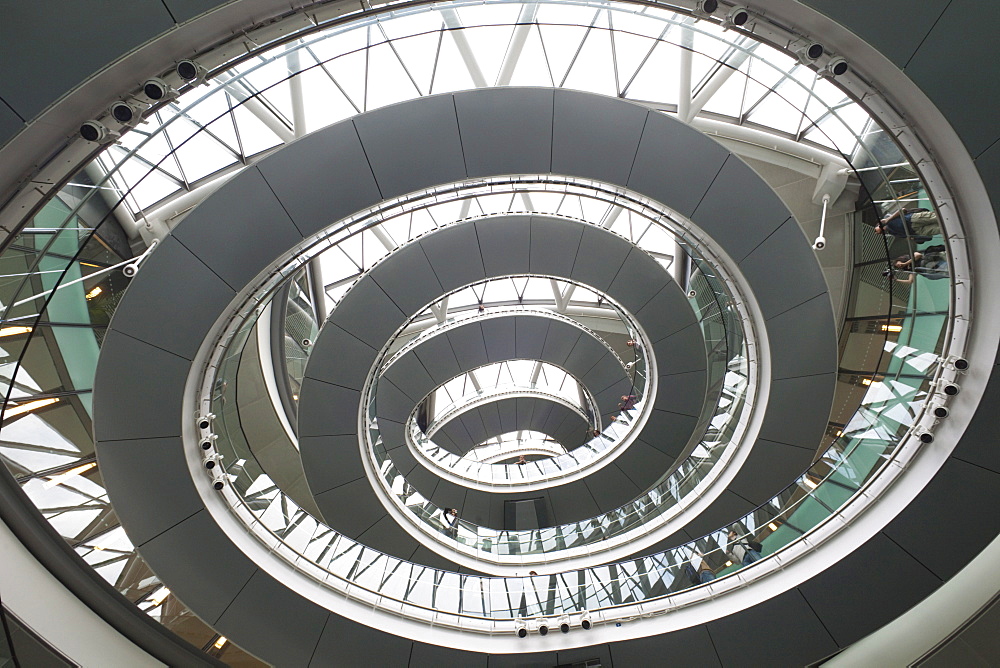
x,y
191,72
692,294
130,270
158,90
737,17
705,8
306,343
520,628
96,132
126,113
586,622
836,67
564,624
809,52
543,627
819,243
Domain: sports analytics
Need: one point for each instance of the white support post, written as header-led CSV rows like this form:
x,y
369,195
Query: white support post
x,y
517,41
684,80
257,108
295,87
453,23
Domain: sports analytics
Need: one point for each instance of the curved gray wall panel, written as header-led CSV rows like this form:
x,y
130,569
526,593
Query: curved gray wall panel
x,y
135,320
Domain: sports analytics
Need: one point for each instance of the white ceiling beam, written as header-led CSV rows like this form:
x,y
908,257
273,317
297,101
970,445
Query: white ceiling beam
x,y
454,25
525,20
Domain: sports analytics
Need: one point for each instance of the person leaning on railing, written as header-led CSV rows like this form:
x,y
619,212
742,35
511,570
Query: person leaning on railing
x,y
918,224
742,550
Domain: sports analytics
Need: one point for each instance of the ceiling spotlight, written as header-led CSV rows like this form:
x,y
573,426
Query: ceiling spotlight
x,y
809,52
704,8
125,113
736,18
96,131
941,411
543,627
520,628
205,421
835,68
924,435
158,90
564,624
958,363
586,623
218,480
206,445
191,72
951,389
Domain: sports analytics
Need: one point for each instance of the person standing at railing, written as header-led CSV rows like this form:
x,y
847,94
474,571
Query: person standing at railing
x,y
932,263
627,402
742,550
918,224
450,521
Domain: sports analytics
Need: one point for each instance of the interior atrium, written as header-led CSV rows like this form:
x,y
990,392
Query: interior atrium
x,y
506,333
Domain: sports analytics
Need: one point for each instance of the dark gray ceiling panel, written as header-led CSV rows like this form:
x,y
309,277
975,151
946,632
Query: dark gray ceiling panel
x,y
941,68
430,558
322,178
475,426
674,164
686,647
210,590
599,258
529,337
937,526
892,582
506,242
611,488
10,123
681,352
469,346
668,432
414,145
346,643
120,410
586,354
438,359
476,509
666,313
508,415
609,400
804,426
571,503
317,453
644,462
170,271
455,437
491,418
239,230
402,458
498,333
392,432
595,137
737,211
455,256
423,480
506,132
800,337
391,403
182,10
406,276
36,77
724,510
639,279
584,654
368,313
604,374
291,629
523,660
737,638
769,469
524,407
358,499
682,392
887,26
327,410
432,656
388,537
450,495
343,359
978,443
146,515
554,243
409,375
784,246
559,342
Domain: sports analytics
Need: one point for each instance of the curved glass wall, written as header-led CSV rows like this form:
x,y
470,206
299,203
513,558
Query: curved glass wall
x,y
49,340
